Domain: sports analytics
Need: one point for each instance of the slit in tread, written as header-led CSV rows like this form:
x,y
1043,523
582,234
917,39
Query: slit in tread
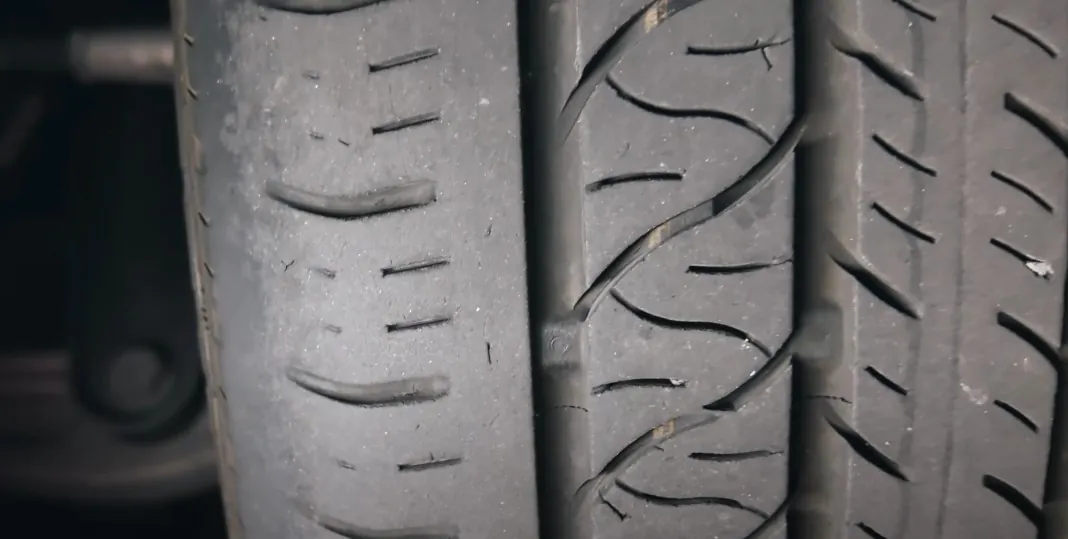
x,y
862,271
735,269
419,265
1027,34
405,123
1017,414
1039,118
419,323
377,201
886,381
674,112
870,532
662,383
403,60
900,223
730,50
403,391
861,445
633,177
900,155
351,531
656,499
318,7
861,48
738,456
1019,185
1028,334
429,464
916,8
1014,497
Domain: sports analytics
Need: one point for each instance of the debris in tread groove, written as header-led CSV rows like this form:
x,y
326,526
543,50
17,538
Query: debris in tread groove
x,y
1039,267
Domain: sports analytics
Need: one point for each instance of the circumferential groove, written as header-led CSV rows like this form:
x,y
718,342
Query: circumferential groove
x,y
698,325
318,7
739,456
1017,415
1039,118
429,464
1028,334
405,123
679,112
663,383
610,52
418,265
1014,497
902,156
886,381
656,499
916,8
376,201
736,269
869,531
910,229
1024,188
863,49
862,271
739,48
633,177
352,531
1027,33
403,391
403,60
418,323
722,202
861,445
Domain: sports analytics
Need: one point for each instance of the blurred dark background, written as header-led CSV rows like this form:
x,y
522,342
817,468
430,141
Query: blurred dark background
x,y
93,269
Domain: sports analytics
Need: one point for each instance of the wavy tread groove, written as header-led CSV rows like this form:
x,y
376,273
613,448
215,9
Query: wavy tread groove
x,y
403,391
1039,118
676,112
1027,190
708,209
376,201
912,230
656,499
1027,34
902,156
633,177
1014,497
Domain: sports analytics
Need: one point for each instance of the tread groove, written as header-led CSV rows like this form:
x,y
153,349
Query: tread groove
x,y
373,202
861,445
900,223
1014,497
1027,333
738,456
736,269
903,156
677,112
916,8
862,271
419,323
1039,118
861,48
1017,414
1024,188
429,464
418,265
662,383
403,59
632,177
886,381
318,7
870,532
351,531
406,123
738,48
402,391
656,499
1026,33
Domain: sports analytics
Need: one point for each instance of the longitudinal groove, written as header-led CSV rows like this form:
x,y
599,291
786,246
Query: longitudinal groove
x,y
737,456
663,383
698,325
1027,34
320,7
403,391
405,123
735,269
1017,414
1024,188
826,85
857,45
382,200
678,112
352,531
725,200
663,176
738,48
1040,118
903,156
886,381
608,55
418,265
656,499
911,229
1014,497
403,60
871,280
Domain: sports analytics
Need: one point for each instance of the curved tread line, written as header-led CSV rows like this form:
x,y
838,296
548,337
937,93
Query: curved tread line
x,y
768,373
699,325
862,271
1014,497
351,531
418,265
1019,185
922,11
869,531
1028,334
677,112
663,383
418,323
318,7
730,50
405,123
1016,252
383,200
864,50
738,456
656,499
1017,414
403,391
610,52
886,381
1039,118
403,59
774,522
429,464
902,156
633,177
724,201
861,445
735,269
900,223
1027,34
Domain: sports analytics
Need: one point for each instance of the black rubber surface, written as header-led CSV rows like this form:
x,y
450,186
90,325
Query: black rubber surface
x,y
613,269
